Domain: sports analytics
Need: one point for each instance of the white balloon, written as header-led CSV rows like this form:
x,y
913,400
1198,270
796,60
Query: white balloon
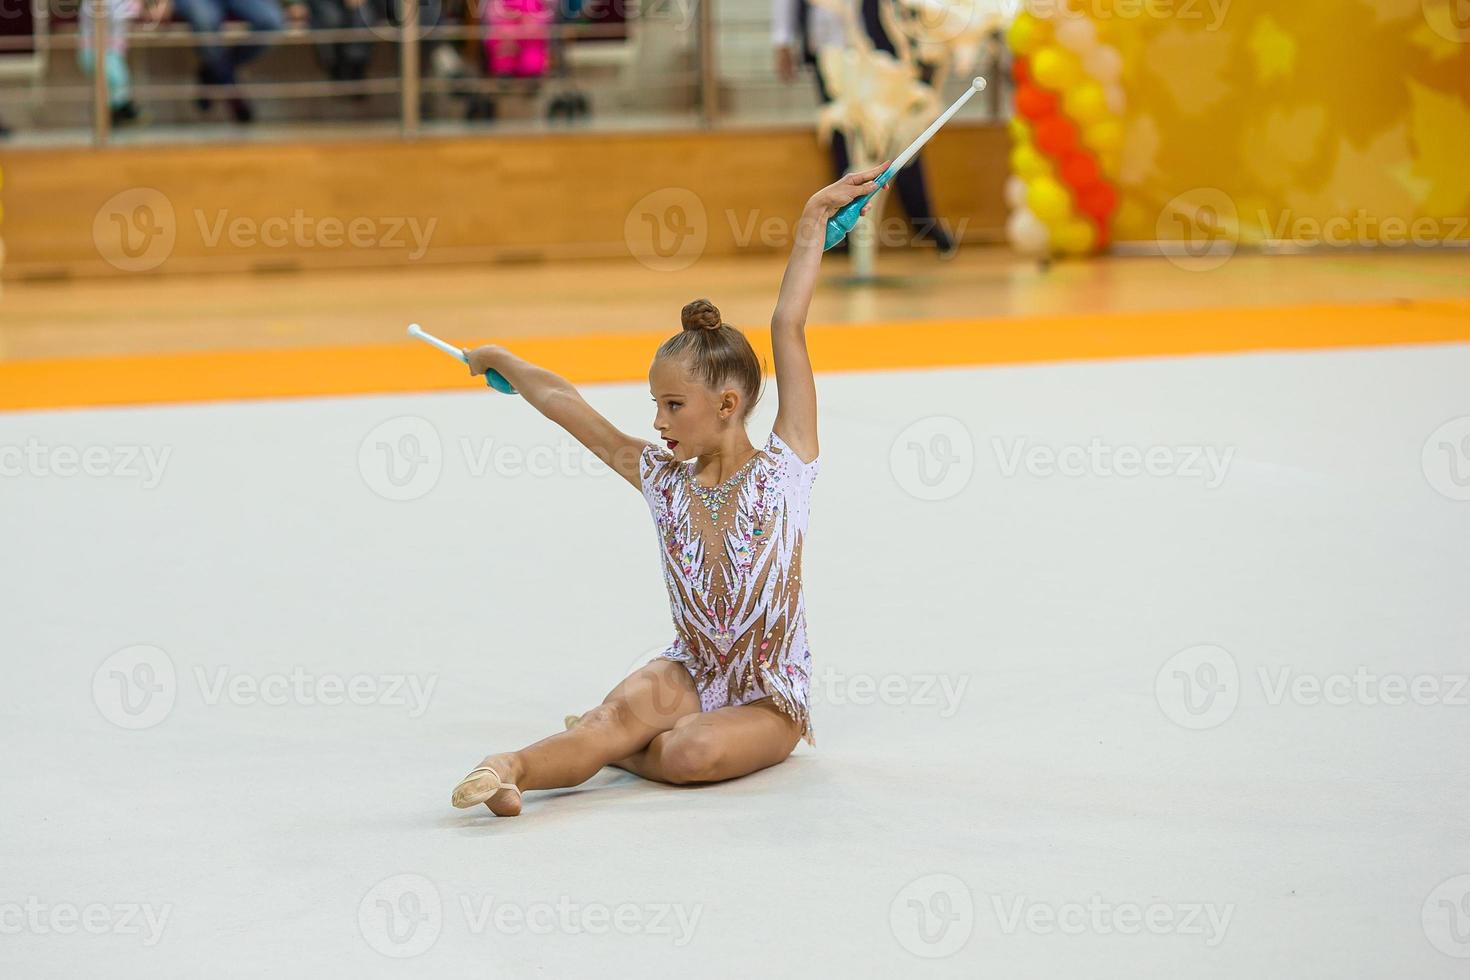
x,y
1078,34
1028,234
1104,63
1015,193
1117,101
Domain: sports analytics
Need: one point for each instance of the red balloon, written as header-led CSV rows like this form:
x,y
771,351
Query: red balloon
x,y
1102,237
1056,136
1098,201
1080,171
1021,71
1035,103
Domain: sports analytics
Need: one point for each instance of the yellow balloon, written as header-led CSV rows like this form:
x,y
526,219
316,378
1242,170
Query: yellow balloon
x,y
1028,164
1086,104
1026,34
1055,69
1104,136
1048,200
1076,237
1020,132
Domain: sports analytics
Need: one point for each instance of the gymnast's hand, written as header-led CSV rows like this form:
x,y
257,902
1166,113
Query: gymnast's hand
x,y
832,198
481,358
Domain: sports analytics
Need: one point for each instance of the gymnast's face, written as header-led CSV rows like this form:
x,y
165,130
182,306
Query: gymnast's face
x,y
690,417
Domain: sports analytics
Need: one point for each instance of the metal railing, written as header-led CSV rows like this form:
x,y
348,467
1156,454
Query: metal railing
x,y
406,36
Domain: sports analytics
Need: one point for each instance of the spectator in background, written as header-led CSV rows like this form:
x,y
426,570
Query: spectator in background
x,y
344,61
800,27
122,109
347,61
218,63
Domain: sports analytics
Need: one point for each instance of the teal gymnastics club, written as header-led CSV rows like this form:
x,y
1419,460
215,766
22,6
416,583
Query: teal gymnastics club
x,y
841,223
493,378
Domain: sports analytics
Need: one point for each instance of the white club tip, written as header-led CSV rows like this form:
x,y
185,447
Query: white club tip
x,y
978,84
414,328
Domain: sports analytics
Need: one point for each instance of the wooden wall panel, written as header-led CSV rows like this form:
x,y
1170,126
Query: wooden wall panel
x,y
228,207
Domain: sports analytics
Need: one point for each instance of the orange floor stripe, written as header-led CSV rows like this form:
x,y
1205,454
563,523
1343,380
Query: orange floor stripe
x,y
410,367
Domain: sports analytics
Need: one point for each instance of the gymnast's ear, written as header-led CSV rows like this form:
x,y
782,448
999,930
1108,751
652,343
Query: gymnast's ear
x,y
730,403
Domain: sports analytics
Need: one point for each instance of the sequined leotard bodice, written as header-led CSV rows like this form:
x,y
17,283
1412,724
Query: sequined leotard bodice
x,y
732,564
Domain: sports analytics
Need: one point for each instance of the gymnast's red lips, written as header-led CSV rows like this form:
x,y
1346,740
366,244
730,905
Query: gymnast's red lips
x,y
672,442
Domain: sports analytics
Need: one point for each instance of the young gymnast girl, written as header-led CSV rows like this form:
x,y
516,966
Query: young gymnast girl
x,y
729,696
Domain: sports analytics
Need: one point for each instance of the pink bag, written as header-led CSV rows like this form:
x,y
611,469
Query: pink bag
x,y
523,48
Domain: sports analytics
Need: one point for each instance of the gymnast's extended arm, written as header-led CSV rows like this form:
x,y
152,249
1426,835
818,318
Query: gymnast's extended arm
x,y
556,398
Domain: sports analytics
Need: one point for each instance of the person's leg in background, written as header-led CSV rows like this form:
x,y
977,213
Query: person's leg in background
x,y
205,17
122,109
838,147
913,190
261,15
329,15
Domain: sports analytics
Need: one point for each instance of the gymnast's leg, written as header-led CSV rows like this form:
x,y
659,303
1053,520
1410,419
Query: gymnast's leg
x,y
716,745
649,701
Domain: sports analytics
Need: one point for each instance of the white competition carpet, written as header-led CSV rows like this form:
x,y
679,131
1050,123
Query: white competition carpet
x,y
1136,669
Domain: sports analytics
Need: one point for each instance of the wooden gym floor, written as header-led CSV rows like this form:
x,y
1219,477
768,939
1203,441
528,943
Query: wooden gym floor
x,y
233,336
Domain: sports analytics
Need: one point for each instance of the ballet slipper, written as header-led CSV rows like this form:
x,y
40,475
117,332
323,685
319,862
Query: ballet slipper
x,y
481,786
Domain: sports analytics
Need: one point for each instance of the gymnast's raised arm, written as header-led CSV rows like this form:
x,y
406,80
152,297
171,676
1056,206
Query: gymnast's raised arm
x,y
556,398
796,389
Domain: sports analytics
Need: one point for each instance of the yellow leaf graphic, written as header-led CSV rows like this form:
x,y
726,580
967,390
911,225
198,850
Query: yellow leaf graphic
x,y
1190,66
1441,127
1274,49
1275,149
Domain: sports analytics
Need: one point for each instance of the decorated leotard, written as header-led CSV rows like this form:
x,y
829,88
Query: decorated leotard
x,y
732,564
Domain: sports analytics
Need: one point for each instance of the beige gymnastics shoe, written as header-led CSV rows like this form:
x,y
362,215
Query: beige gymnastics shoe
x,y
484,785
